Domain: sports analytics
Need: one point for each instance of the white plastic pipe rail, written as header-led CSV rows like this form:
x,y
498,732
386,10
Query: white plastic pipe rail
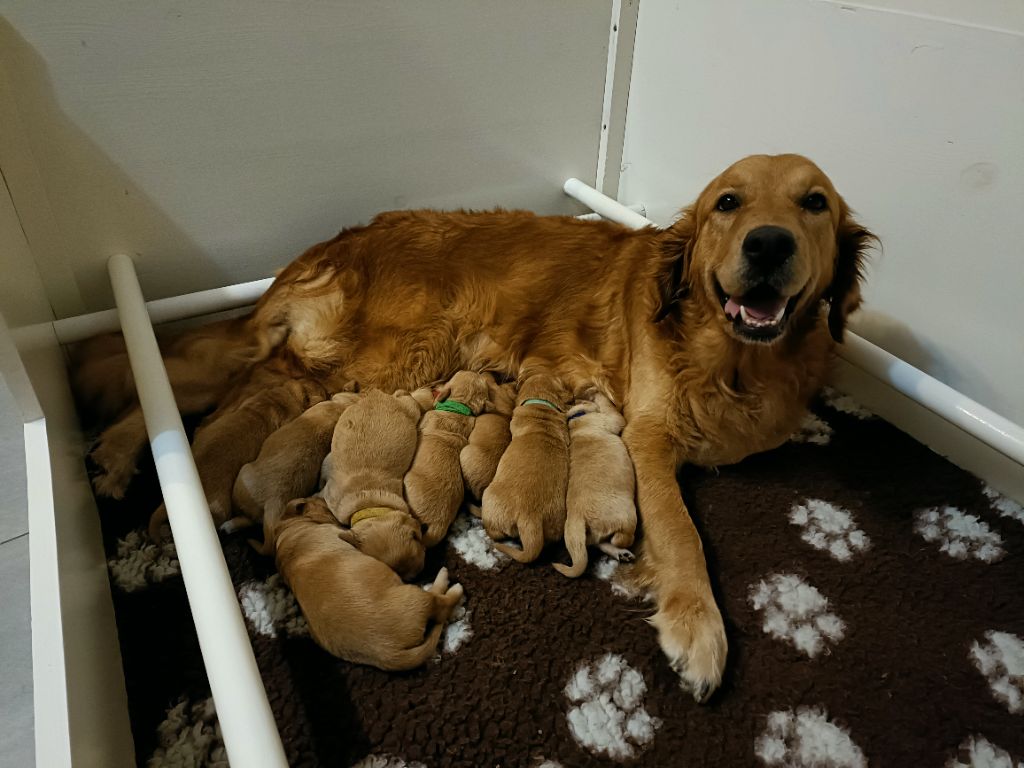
x,y
247,723
972,417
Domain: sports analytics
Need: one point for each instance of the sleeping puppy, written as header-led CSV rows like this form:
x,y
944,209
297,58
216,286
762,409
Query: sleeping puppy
x,y
221,447
357,608
390,535
433,485
371,450
527,496
488,440
599,502
288,465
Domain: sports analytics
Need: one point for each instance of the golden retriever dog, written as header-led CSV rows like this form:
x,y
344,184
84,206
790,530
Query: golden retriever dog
x,y
713,335
433,485
222,446
599,506
527,496
288,465
371,450
390,535
357,608
488,440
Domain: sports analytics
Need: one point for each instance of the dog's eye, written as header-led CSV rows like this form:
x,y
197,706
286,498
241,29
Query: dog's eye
x,y
814,202
727,203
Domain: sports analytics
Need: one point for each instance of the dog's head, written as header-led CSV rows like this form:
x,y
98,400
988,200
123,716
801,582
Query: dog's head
x,y
765,242
394,538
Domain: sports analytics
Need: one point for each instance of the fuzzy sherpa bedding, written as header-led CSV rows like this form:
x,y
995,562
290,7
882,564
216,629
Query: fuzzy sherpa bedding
x,y
873,596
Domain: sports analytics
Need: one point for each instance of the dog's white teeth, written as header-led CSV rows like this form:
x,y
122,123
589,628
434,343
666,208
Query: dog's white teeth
x,y
755,322
779,314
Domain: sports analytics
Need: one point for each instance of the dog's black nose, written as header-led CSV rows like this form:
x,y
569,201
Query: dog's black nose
x,y
768,247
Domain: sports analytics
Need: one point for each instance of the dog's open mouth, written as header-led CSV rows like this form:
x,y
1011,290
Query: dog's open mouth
x,y
760,314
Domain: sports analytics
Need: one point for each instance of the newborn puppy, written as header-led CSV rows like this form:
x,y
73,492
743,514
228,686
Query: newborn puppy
x,y
488,440
287,467
223,446
389,535
599,502
358,608
527,496
433,485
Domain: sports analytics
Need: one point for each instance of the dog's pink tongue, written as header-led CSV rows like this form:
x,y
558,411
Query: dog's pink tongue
x,y
732,308
764,310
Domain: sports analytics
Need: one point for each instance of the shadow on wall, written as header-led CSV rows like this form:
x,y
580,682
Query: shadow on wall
x,y
95,207
900,340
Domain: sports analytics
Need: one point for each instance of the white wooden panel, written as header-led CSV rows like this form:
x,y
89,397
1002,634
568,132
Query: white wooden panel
x,y
217,140
920,123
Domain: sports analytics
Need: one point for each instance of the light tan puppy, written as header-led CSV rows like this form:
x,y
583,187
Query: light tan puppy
x,y
288,465
599,503
357,607
488,440
390,535
223,446
433,484
371,450
527,496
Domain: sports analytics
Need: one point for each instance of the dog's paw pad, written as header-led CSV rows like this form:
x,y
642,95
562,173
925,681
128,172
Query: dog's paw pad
x,y
626,556
606,714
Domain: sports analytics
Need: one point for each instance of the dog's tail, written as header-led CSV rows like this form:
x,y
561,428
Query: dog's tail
x,y
576,543
532,537
272,514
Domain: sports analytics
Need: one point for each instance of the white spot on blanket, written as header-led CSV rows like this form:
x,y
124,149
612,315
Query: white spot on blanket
x,y
845,404
608,716
606,569
806,739
1004,505
979,752
829,528
471,542
458,630
271,607
959,535
1001,661
386,761
190,735
812,430
140,561
796,613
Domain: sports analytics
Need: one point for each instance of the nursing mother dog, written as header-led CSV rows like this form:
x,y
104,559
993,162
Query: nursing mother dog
x,y
712,335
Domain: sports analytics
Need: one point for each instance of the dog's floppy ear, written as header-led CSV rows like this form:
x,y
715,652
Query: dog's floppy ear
x,y
852,243
673,276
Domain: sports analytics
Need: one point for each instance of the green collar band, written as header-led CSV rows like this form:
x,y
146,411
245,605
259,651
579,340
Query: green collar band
x,y
539,401
454,406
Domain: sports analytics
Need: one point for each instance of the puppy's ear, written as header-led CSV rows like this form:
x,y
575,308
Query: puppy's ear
x,y
443,393
843,294
673,276
349,536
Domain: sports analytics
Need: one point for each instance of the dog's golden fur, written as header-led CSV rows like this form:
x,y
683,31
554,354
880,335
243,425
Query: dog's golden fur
x,y
433,485
599,507
527,496
488,440
288,465
417,295
357,607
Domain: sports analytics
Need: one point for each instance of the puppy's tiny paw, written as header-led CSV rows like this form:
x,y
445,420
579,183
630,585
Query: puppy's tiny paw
x,y
626,556
692,636
113,484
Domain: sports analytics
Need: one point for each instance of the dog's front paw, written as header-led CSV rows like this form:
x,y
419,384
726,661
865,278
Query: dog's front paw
x,y
692,636
113,481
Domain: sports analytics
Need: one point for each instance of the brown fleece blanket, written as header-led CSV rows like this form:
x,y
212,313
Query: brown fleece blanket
x,y
873,596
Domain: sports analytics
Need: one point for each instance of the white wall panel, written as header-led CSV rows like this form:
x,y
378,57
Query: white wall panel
x,y
216,140
918,120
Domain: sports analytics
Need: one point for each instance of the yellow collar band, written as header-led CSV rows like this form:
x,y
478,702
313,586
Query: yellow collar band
x,y
368,513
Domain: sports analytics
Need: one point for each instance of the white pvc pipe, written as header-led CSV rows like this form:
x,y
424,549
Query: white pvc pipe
x,y
247,723
80,327
972,417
